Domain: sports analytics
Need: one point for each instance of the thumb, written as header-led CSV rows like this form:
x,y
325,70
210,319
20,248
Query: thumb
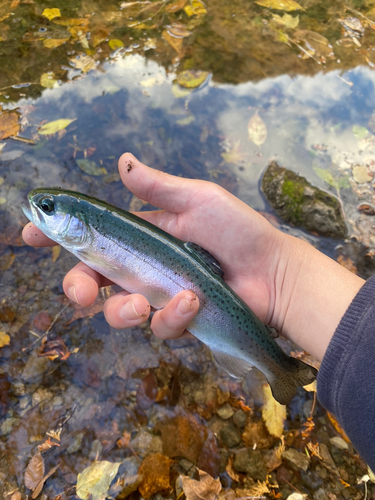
x,y
162,190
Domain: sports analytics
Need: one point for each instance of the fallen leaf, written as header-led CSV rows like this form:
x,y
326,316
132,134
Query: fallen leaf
x,y
47,81
360,174
183,437
115,44
316,45
8,125
176,6
348,264
90,167
337,426
54,349
195,8
155,471
191,79
257,130
94,482
311,387
178,30
52,128
52,43
84,63
287,20
185,121
4,339
34,472
207,488
7,260
273,413
7,7
287,5
360,132
174,42
51,13
56,250
40,485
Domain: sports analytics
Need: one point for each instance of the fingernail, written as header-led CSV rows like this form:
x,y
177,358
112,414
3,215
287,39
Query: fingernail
x,y
185,306
128,311
72,294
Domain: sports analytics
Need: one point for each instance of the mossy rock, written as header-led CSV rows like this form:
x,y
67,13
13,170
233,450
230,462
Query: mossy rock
x,y
302,205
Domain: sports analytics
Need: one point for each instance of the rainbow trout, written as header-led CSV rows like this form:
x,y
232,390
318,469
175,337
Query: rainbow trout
x,y
142,258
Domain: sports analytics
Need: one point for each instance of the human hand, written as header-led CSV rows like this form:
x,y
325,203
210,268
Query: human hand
x,y
276,275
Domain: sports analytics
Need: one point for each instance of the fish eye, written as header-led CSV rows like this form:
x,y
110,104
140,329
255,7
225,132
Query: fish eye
x,y
47,205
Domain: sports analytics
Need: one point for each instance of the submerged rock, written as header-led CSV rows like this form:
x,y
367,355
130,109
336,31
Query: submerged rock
x,y
302,205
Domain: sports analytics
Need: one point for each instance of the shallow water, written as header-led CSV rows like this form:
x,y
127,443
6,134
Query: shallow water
x,y
117,394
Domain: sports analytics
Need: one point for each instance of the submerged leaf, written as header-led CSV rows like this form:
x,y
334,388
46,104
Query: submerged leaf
x,y
287,5
175,6
90,167
51,13
4,339
273,413
8,125
52,43
115,44
192,79
51,128
95,481
360,132
257,130
174,42
47,81
195,8
207,487
287,20
155,471
34,472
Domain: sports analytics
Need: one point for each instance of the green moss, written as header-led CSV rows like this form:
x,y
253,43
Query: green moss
x,y
293,191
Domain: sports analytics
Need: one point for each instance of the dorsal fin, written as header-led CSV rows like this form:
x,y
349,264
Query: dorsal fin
x,y
206,257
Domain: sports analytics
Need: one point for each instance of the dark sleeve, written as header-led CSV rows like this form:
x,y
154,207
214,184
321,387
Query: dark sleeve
x,y
346,380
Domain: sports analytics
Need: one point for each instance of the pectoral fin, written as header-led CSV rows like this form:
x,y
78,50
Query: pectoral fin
x,y
236,367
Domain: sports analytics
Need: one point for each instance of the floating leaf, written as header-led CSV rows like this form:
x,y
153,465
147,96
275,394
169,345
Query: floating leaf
x,y
360,174
207,487
154,80
52,43
51,128
34,472
174,42
178,30
8,125
185,121
175,6
95,481
47,81
273,413
84,63
325,175
51,13
155,471
287,20
4,339
257,130
360,132
115,44
287,5
195,8
192,79
315,45
90,167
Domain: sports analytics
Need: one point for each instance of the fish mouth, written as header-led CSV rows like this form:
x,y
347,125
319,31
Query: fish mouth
x,y
27,211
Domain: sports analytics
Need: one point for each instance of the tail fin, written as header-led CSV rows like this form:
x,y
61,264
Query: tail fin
x,y
285,386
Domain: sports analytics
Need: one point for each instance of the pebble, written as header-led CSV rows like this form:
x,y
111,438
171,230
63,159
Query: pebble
x,y
7,425
320,494
230,436
145,443
41,395
339,443
18,388
24,401
297,459
239,418
57,401
96,449
251,462
75,445
225,412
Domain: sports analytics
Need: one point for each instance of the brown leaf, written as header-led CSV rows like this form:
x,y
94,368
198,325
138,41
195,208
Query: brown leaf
x,y
147,392
174,42
87,312
207,488
39,487
42,321
255,434
53,349
183,437
8,125
176,6
34,472
155,472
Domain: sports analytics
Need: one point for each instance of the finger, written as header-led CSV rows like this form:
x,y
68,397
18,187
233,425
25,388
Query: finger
x,y
81,284
172,321
156,187
34,237
124,310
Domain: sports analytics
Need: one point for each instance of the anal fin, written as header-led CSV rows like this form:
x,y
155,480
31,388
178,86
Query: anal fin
x,y
236,367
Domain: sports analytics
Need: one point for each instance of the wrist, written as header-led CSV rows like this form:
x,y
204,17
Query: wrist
x,y
312,294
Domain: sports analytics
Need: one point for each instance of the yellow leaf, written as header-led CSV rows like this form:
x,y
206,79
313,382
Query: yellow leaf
x,y
84,63
273,413
47,81
186,121
51,128
52,43
51,13
115,44
191,79
175,6
96,479
287,5
8,125
257,130
174,42
195,8
287,20
56,252
4,339
311,387
360,174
